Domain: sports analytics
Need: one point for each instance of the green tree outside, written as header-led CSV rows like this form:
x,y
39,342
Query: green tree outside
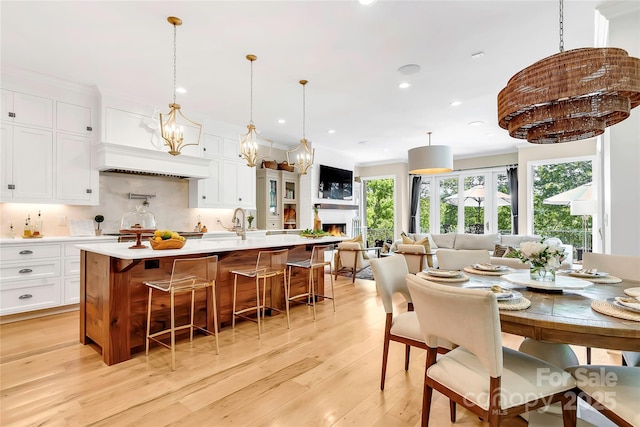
x,y
379,209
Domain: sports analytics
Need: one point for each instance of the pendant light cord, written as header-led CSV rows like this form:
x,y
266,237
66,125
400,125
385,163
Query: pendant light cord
x,y
303,113
561,26
174,63
251,95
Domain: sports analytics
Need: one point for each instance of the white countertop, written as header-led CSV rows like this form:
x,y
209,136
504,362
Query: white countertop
x,y
19,240
196,246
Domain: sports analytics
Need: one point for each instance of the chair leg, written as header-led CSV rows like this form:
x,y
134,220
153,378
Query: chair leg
x,y
148,322
426,404
452,410
233,310
259,308
406,357
215,314
311,292
286,294
173,332
588,355
193,303
353,275
569,409
333,294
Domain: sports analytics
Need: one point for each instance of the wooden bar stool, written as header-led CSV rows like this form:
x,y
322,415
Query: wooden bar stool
x,y
187,275
269,264
321,256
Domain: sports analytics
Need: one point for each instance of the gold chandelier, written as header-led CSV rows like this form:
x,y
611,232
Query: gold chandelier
x,y
174,124
249,141
303,153
571,95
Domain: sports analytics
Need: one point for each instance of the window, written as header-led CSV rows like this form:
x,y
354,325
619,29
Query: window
x,y
379,196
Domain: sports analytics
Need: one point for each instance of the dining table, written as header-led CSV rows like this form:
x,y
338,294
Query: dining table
x,y
564,316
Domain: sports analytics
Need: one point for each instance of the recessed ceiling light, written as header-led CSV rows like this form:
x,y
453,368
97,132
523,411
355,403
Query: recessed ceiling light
x,y
476,123
181,90
477,55
362,142
332,131
281,121
409,69
404,85
455,103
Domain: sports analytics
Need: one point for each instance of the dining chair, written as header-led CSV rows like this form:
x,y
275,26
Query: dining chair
x,y
350,255
415,257
187,275
269,265
321,256
457,259
491,381
622,266
614,391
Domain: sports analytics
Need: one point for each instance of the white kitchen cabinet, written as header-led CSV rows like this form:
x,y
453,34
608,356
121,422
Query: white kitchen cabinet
x,y
239,189
231,149
27,164
77,182
212,146
206,193
73,118
25,109
35,274
268,199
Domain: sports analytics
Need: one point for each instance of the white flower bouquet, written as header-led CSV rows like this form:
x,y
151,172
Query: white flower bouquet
x,y
543,257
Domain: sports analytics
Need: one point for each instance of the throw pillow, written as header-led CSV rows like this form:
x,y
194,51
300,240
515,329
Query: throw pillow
x,y
500,250
446,240
511,252
424,242
358,239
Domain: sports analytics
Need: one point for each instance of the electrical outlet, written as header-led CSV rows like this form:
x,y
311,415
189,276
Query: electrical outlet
x,y
62,220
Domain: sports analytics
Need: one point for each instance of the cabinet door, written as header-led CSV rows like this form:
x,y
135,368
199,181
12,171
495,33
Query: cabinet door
x,y
247,186
231,185
206,193
27,109
6,150
76,181
32,164
73,118
231,149
211,146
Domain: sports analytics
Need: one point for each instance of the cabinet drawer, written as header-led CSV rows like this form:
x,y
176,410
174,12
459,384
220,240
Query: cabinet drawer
x,y
72,267
28,252
70,249
36,269
41,294
273,225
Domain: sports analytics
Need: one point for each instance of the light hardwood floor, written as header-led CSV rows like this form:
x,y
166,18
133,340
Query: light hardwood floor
x,y
323,373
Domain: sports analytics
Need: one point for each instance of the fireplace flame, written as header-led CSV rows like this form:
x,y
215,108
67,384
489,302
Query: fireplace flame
x,y
335,230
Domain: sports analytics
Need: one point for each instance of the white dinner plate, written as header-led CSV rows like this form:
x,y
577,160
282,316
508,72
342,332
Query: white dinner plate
x,y
588,275
562,282
507,295
615,302
489,267
621,302
443,273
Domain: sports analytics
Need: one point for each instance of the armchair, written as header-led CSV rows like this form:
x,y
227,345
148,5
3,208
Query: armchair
x,y
350,255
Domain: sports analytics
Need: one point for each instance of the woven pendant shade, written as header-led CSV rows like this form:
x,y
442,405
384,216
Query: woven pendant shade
x,y
570,96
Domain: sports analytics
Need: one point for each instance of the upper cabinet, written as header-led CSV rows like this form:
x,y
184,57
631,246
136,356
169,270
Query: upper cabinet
x,y
47,149
277,199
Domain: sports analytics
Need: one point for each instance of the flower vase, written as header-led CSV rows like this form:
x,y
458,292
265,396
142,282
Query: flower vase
x,y
542,274
317,223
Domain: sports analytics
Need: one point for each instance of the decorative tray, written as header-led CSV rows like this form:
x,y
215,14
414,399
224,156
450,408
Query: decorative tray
x,y
560,284
167,244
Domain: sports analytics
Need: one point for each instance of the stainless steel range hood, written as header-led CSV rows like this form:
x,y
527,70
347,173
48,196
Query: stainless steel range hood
x,y
140,161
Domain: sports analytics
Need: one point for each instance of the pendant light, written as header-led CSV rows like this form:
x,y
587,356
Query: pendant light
x,y
571,95
250,141
176,129
303,154
430,159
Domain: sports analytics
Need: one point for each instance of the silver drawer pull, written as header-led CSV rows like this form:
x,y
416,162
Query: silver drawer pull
x,y
25,270
25,252
25,296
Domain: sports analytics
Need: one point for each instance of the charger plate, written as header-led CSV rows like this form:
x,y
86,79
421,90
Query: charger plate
x,y
632,292
462,278
561,283
605,307
521,303
597,279
472,270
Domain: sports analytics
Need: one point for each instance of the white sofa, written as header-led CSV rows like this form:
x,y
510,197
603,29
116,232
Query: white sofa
x,y
455,241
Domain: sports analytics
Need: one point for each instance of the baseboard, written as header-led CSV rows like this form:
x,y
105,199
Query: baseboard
x,y
10,318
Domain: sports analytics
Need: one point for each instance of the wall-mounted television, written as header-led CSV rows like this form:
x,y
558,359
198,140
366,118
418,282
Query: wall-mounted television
x,y
335,183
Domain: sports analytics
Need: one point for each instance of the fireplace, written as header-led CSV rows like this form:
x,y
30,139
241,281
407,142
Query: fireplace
x,y
335,229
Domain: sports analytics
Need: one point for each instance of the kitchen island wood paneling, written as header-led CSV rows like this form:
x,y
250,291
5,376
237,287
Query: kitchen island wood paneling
x,y
113,297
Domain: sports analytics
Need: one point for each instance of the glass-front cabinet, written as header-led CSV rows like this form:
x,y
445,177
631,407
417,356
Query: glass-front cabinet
x,y
276,199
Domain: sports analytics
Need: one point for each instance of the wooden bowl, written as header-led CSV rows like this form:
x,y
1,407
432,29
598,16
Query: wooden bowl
x,y
167,244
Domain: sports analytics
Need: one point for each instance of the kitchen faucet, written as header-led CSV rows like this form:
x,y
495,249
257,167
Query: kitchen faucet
x,y
239,226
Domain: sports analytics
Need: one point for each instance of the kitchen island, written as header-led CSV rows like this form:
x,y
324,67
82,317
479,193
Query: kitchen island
x,y
113,296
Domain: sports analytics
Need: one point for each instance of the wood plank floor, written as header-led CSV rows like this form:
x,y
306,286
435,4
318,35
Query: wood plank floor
x,y
322,373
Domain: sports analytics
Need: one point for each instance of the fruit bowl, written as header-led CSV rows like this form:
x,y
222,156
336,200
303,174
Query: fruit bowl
x,y
166,244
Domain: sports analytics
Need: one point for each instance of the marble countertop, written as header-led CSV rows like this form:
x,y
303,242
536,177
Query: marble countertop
x,y
197,246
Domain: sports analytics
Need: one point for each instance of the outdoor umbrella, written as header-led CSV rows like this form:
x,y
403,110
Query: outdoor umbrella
x,y
474,198
582,192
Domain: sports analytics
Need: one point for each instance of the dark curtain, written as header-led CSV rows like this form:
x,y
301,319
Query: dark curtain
x,y
415,200
512,181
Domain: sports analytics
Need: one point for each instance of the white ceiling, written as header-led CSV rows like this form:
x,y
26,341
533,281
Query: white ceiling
x,y
349,53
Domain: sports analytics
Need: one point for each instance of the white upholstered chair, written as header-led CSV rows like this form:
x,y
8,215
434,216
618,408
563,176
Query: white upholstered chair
x,y
415,256
389,274
350,255
491,381
457,259
624,267
613,390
